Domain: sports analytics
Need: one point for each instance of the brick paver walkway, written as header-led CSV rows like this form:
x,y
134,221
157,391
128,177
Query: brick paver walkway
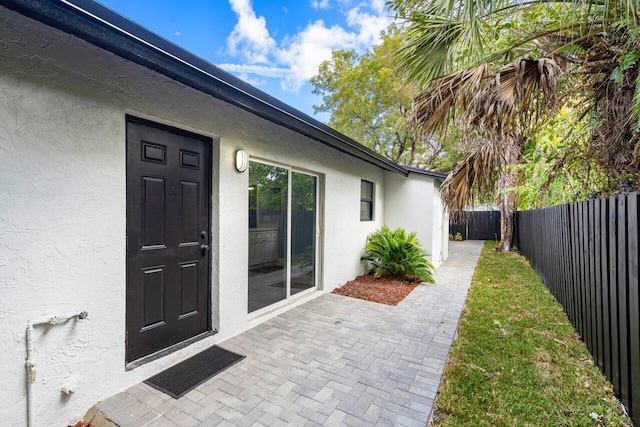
x,y
332,361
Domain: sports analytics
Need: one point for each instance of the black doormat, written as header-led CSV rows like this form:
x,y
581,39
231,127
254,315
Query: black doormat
x,y
190,373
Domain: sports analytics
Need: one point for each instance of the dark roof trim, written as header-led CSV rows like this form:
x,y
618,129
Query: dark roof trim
x,y
438,176
113,32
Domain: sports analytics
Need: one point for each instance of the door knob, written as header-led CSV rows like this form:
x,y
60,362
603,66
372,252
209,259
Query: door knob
x,y
204,248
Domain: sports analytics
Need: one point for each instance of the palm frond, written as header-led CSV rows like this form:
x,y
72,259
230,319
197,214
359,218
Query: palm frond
x,y
440,30
434,106
489,100
426,54
475,174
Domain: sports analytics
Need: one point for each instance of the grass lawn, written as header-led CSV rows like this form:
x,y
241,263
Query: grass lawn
x,y
517,360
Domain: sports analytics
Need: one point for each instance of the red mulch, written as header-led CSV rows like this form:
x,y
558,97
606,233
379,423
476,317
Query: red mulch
x,y
384,290
82,424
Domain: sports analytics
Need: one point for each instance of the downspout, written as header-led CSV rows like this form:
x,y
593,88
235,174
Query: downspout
x,y
31,373
30,364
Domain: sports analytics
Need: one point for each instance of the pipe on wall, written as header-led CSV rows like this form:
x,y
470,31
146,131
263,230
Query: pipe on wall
x,y
30,364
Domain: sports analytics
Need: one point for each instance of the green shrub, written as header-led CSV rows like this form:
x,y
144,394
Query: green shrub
x,y
397,254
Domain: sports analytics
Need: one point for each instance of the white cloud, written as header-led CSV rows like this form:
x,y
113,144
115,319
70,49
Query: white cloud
x,y
320,4
298,56
250,37
303,53
369,25
177,33
379,6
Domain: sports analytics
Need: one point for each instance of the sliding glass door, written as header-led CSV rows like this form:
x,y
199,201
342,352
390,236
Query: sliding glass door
x,y
282,234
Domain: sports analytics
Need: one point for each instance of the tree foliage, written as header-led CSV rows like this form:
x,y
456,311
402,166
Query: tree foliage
x,y
592,48
269,186
555,167
371,101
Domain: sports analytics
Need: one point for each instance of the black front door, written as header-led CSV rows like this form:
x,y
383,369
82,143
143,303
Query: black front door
x,y
168,257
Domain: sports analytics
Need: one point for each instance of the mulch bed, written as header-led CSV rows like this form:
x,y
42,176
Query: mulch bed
x,y
384,290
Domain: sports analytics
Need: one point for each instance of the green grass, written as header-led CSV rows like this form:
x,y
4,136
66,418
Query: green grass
x,y
517,360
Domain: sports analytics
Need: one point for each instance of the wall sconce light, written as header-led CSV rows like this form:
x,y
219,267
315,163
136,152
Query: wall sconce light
x,y
242,160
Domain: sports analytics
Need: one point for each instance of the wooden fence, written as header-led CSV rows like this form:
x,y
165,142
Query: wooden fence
x,y
478,225
587,255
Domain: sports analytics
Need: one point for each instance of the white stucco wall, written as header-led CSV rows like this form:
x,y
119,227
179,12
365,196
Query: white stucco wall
x,y
440,227
63,219
409,203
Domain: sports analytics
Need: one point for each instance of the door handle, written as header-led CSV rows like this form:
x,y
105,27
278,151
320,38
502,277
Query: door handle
x,y
204,249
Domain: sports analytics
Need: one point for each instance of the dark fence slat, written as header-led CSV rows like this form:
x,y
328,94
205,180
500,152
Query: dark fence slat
x,y
593,336
591,306
586,253
604,268
576,274
633,303
455,228
568,277
566,251
584,267
478,225
597,264
613,294
622,299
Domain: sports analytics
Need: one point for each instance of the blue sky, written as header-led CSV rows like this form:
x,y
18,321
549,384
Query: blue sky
x,y
274,45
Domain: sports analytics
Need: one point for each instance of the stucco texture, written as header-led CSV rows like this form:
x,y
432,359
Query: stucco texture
x,y
63,211
414,204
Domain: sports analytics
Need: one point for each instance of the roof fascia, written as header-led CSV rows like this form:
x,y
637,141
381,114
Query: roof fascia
x,y
438,176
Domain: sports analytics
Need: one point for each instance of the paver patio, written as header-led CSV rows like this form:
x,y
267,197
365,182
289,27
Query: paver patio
x,y
331,361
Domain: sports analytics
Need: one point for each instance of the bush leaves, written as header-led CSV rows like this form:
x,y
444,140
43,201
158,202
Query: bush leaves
x,y
397,254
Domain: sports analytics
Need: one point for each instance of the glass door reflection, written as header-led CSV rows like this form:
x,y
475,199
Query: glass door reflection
x,y
303,231
268,196
282,234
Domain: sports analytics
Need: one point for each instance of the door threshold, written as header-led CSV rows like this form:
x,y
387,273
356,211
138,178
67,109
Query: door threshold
x,y
277,309
166,351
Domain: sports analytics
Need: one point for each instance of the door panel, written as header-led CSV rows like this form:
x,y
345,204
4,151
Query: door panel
x,y
153,211
188,288
189,212
168,214
152,296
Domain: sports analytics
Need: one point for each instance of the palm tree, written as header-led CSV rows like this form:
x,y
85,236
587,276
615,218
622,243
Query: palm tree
x,y
500,106
594,42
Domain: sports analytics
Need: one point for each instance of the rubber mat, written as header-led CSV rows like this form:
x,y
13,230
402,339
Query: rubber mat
x,y
179,379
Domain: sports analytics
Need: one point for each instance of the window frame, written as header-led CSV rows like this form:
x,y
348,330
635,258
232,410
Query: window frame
x,y
319,232
370,200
